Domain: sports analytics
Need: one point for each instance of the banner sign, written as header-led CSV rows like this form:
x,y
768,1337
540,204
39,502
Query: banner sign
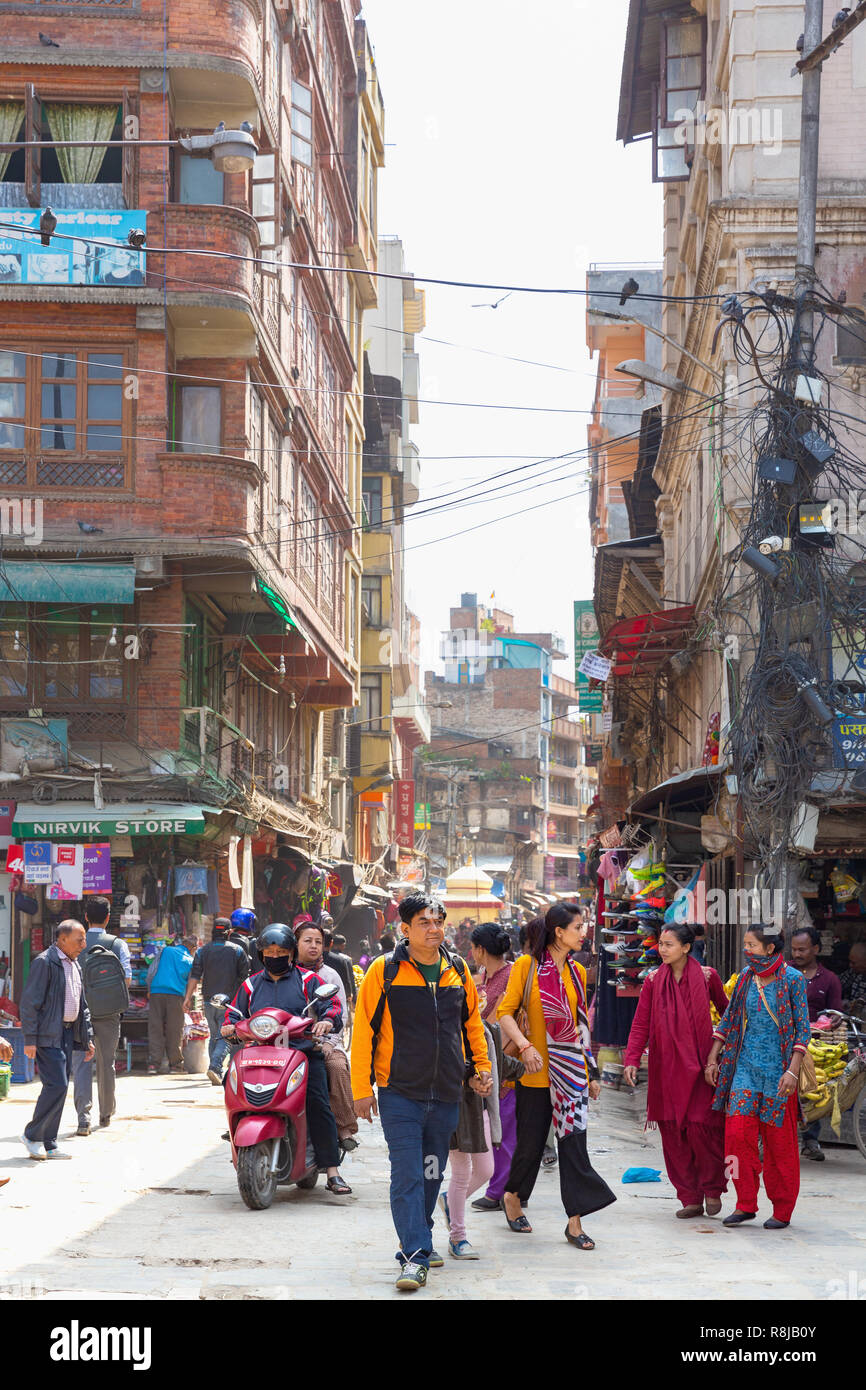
x,y
67,872
585,640
72,258
595,667
404,813
97,869
849,742
37,862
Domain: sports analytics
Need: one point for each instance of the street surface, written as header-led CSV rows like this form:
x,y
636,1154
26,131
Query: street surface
x,y
150,1209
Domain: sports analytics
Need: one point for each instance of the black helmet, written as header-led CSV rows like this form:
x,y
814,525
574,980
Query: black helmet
x,y
277,934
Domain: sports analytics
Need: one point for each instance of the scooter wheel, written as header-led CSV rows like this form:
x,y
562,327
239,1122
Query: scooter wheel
x,y
256,1182
309,1182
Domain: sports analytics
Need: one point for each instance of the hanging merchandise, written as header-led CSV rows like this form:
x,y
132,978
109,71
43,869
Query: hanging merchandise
x,y
234,876
247,875
845,888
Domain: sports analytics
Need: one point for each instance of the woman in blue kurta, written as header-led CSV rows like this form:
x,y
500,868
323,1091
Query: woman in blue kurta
x,y
754,1064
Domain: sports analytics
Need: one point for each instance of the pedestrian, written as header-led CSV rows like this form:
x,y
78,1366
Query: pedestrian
x,y
853,980
221,966
823,991
365,954
673,1016
489,946
6,1054
754,1064
283,984
310,948
335,956
561,1073
414,1012
56,1023
107,974
167,980
478,1136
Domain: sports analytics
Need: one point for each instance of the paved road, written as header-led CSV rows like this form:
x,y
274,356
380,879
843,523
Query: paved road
x,y
150,1208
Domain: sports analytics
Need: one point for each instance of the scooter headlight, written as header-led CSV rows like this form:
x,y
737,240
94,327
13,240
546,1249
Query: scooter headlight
x,y
233,1078
264,1027
296,1078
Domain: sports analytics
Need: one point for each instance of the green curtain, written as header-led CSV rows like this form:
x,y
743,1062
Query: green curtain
x,y
11,116
74,121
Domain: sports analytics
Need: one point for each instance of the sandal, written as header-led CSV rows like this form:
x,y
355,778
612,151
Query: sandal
x,y
338,1186
582,1241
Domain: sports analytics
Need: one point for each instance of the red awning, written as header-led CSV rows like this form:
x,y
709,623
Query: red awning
x,y
639,646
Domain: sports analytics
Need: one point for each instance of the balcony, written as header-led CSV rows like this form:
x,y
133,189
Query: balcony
x,y
229,43
411,473
216,320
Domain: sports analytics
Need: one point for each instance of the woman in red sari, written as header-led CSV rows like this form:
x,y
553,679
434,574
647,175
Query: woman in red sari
x,y
673,1016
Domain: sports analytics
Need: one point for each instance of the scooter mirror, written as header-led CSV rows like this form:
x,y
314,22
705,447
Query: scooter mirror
x,y
326,991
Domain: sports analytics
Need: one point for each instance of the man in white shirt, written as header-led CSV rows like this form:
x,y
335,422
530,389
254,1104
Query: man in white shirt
x,y
311,946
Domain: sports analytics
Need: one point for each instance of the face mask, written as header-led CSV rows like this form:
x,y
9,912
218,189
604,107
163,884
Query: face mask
x,y
278,965
759,963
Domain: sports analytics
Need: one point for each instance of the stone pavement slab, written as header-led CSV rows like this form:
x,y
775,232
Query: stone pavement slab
x,y
149,1208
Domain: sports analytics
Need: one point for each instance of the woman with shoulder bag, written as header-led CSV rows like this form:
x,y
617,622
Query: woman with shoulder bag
x,y
759,1049
561,1074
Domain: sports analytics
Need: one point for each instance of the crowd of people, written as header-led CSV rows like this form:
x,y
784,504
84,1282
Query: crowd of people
x,y
476,1060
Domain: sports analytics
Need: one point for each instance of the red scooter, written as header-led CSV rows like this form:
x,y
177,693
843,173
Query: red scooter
x,y
265,1095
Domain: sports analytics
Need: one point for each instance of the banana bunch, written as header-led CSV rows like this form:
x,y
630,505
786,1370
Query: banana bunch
x,y
829,1061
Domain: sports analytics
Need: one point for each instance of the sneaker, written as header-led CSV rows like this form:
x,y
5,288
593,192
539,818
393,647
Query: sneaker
x,y
462,1250
812,1149
83,1129
35,1150
152,1070
57,1153
214,1077
444,1208
178,1069
436,1261
411,1277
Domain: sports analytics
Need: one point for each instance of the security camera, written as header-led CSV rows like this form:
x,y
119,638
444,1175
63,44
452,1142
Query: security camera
x,y
770,544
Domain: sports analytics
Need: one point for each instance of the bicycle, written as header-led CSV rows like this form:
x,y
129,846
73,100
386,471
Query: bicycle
x,y
856,1050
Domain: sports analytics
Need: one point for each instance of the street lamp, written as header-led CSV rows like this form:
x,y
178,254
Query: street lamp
x,y
232,151
644,371
625,318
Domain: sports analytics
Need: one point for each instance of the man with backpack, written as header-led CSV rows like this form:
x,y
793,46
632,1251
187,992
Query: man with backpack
x,y
106,972
418,1035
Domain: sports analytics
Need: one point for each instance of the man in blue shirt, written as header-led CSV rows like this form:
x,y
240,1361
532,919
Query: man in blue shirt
x,y
167,987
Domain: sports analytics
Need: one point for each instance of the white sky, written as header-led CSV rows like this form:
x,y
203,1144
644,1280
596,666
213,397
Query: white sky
x,y
503,167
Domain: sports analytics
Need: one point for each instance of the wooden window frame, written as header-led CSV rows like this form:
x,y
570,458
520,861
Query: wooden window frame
x,y
35,650
661,92
35,455
176,431
129,104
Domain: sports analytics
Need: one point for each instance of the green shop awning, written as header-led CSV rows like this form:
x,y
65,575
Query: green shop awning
x,y
33,581
81,820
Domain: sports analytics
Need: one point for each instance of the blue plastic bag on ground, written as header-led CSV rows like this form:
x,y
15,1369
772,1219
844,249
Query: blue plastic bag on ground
x,y
642,1175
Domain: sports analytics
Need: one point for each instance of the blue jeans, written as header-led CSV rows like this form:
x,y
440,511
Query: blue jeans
x,y
218,1047
418,1133
55,1069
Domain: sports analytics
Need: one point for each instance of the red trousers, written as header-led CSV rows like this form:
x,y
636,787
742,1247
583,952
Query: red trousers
x,y
781,1160
695,1159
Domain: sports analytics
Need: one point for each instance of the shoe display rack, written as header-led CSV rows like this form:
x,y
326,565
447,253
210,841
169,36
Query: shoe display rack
x,y
629,937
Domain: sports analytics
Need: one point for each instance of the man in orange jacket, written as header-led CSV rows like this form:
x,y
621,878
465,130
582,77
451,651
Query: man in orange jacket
x,y
417,1025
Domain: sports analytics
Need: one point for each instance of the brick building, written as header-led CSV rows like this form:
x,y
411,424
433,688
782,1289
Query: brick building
x,y
189,425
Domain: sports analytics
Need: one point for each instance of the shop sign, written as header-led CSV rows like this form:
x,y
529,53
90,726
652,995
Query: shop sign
x,y
67,873
90,248
849,742
97,869
7,815
99,825
404,813
15,859
37,862
585,640
422,815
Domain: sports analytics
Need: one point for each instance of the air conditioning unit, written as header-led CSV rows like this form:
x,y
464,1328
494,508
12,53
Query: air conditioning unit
x,y
149,567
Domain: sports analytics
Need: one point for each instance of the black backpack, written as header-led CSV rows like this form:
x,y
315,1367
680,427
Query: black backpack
x,y
389,974
104,979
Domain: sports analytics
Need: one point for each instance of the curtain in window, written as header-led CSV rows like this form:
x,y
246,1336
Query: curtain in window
x,y
72,121
11,116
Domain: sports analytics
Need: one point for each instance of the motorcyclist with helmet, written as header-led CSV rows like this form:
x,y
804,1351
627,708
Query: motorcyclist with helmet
x,y
282,984
243,933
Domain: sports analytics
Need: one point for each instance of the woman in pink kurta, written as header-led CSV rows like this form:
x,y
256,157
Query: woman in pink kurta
x,y
673,1019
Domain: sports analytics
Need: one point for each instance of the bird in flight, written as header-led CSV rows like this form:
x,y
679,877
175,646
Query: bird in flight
x,y
496,305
